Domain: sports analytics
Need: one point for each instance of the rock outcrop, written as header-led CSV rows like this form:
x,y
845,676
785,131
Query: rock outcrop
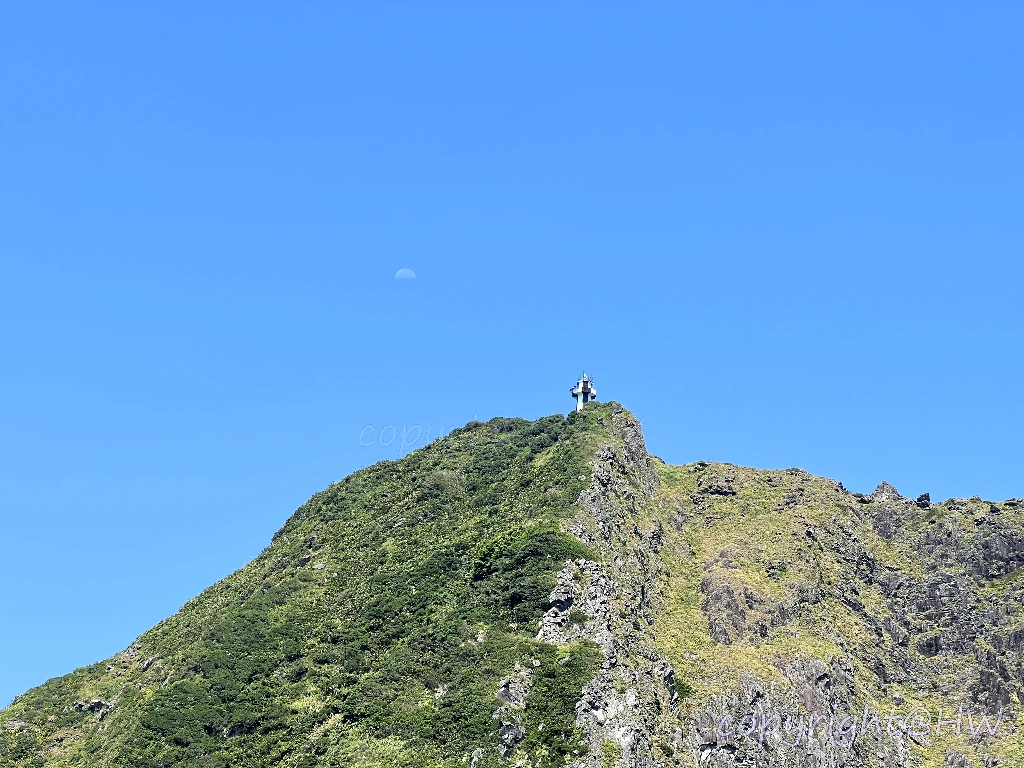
x,y
544,594
613,602
884,632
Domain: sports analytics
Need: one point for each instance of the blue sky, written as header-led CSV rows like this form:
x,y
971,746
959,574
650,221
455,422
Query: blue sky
x,y
783,234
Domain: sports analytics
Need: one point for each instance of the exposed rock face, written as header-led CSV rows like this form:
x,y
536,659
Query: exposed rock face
x,y
620,711
866,631
725,617
885,492
510,735
512,692
100,707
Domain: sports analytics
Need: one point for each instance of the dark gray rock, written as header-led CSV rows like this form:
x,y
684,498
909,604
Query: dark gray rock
x,y
510,736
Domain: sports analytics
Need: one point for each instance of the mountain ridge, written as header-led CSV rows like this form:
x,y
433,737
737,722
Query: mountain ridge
x,y
547,593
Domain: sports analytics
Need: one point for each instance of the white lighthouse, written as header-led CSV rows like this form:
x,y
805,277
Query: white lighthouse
x,y
584,391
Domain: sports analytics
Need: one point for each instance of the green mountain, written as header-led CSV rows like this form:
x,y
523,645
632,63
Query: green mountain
x,y
547,594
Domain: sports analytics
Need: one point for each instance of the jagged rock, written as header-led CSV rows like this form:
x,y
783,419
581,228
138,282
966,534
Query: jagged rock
x,y
955,759
726,617
90,705
131,652
510,736
885,492
100,707
512,692
887,522
720,485
513,689
743,617
621,705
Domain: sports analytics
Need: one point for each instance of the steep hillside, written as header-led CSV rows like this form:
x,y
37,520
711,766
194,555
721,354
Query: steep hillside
x,y
898,623
374,630
545,594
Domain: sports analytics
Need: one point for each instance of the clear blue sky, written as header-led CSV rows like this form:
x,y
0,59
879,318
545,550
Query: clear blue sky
x,y
783,234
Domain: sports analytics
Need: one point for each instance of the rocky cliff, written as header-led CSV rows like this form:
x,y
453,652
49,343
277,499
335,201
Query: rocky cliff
x,y
547,593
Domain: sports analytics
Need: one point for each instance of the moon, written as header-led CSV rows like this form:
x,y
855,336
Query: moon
x,y
405,274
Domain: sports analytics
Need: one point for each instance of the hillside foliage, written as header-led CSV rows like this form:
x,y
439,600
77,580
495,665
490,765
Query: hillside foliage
x,y
373,630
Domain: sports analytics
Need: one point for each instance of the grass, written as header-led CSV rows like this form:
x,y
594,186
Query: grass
x,y
374,629
368,602
743,538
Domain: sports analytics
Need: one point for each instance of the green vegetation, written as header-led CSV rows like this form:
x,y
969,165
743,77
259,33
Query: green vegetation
x,y
577,618
611,753
374,630
791,568
684,689
550,707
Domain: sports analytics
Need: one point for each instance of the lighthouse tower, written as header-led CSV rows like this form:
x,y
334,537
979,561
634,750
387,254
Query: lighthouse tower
x,y
584,391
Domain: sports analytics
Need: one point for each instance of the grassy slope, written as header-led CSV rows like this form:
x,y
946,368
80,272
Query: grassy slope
x,y
783,531
375,628
373,631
